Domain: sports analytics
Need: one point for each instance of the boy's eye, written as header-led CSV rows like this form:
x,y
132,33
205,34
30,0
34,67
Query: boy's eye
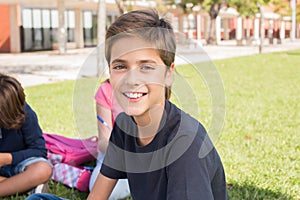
x,y
119,67
147,67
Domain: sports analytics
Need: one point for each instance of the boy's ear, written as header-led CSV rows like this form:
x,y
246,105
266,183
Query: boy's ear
x,y
169,75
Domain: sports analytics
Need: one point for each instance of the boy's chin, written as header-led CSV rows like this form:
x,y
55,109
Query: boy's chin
x,y
134,111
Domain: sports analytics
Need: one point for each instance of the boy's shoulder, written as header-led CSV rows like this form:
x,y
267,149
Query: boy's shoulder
x,y
186,130
185,121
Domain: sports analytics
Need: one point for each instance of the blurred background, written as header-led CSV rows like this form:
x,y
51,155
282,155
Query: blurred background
x,y
34,25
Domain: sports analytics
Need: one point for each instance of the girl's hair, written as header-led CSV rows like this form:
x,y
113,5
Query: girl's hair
x,y
12,103
148,26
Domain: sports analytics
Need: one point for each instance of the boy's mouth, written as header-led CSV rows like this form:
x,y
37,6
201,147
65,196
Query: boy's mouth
x,y
134,95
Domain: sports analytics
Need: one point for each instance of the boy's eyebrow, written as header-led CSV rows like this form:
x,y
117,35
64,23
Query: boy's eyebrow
x,y
146,61
118,60
138,62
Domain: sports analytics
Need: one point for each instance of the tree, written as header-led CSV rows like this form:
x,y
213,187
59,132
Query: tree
x,y
213,7
213,13
121,6
124,6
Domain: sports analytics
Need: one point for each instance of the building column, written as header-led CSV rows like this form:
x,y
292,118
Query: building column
x,y
79,40
226,28
218,29
15,36
282,30
239,30
198,26
293,25
256,29
192,20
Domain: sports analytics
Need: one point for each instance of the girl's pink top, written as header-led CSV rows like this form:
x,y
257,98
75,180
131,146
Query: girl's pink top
x,y
104,97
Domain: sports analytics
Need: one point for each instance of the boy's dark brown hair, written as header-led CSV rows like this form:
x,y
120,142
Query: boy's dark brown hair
x,y
12,102
148,26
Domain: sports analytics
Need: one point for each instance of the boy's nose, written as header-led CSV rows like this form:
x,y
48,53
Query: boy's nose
x,y
133,77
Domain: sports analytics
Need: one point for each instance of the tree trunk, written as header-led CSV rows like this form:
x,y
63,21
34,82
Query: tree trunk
x,y
213,13
262,28
121,7
212,31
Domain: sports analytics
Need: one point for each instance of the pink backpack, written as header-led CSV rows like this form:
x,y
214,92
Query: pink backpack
x,y
72,176
73,151
66,154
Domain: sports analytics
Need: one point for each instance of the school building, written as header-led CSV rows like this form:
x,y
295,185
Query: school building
x,y
32,25
230,26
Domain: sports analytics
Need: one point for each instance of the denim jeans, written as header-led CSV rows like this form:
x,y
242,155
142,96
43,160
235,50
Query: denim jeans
x,y
11,170
44,196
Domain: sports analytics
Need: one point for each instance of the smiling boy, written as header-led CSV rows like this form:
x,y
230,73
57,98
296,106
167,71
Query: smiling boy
x,y
153,143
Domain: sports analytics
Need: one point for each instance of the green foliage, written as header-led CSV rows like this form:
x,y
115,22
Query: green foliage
x,y
247,8
282,7
207,4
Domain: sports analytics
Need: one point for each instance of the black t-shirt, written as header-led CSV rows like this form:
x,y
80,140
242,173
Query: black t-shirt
x,y
179,163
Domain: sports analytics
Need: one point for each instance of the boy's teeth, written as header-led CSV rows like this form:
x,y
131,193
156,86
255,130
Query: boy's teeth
x,y
134,95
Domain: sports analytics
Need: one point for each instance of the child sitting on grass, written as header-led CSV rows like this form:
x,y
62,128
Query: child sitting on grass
x,y
162,151
23,162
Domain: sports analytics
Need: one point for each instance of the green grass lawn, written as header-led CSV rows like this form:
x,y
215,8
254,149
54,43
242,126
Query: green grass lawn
x,y
259,144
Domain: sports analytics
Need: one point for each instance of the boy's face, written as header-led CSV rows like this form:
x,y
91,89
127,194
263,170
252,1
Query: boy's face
x,y
138,76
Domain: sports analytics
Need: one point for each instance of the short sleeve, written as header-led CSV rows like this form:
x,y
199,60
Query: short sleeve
x,y
194,177
113,165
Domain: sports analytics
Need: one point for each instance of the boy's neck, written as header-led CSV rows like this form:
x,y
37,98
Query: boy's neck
x,y
148,124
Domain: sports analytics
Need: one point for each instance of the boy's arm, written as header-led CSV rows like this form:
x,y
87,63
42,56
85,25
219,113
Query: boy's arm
x,y
102,188
103,131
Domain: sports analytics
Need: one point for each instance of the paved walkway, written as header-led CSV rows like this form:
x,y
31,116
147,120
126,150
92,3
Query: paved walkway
x,y
49,66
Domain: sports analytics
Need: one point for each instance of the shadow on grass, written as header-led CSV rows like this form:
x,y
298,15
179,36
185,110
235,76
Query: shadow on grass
x,y
293,53
248,191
